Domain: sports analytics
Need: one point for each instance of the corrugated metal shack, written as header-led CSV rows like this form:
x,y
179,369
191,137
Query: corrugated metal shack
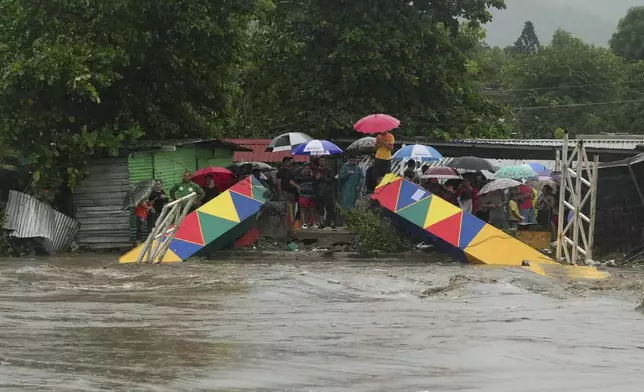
x,y
620,205
98,198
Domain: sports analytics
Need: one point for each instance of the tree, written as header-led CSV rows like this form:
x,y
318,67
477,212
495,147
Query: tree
x,y
568,84
490,62
322,66
528,41
628,40
78,77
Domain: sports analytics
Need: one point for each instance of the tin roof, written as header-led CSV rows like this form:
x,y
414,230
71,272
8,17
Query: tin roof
x,y
598,143
258,152
160,143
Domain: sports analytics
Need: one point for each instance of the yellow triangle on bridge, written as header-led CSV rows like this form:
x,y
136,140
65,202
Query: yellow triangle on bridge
x,y
439,210
221,206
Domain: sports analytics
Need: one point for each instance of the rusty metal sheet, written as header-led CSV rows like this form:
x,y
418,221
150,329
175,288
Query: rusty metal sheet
x,y
27,217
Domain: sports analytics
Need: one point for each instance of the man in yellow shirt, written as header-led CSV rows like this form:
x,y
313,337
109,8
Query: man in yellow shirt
x,y
514,213
384,146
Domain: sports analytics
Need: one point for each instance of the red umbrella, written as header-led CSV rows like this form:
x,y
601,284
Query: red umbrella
x,y
223,177
443,173
377,123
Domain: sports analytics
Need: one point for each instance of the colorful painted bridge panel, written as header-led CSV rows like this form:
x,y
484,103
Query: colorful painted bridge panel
x,y
211,221
479,241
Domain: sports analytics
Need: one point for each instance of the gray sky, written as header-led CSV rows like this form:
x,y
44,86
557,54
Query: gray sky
x,y
592,20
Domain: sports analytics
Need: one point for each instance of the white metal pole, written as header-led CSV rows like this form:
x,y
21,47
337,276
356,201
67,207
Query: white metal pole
x,y
593,206
577,204
563,162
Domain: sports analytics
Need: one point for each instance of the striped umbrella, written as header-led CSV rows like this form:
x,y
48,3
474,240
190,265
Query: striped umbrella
x,y
418,152
288,141
317,147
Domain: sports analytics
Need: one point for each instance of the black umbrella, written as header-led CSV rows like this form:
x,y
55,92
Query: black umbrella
x,y
139,192
247,167
365,145
471,163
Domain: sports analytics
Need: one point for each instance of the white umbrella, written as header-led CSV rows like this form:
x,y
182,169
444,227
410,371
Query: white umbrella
x,y
498,185
288,141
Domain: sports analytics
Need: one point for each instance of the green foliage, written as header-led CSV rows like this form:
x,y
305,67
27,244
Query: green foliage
x,y
559,86
374,233
528,41
559,133
79,78
319,67
628,40
489,62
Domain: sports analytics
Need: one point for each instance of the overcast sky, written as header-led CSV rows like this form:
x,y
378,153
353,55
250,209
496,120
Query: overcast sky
x,y
592,20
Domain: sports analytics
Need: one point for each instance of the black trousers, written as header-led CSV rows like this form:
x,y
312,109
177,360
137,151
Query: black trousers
x,y
327,203
152,220
381,167
139,228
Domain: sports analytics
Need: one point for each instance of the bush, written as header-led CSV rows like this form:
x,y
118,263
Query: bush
x,y
374,233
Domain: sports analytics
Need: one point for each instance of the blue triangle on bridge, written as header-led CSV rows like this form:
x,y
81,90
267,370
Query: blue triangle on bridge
x,y
410,193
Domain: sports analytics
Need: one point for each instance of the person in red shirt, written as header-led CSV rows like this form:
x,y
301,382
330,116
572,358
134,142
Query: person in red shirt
x,y
527,204
141,215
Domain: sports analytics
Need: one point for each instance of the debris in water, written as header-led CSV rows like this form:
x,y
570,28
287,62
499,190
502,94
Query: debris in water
x,y
640,308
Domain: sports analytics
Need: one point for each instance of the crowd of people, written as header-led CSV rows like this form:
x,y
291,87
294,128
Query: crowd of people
x,y
315,189
504,209
313,192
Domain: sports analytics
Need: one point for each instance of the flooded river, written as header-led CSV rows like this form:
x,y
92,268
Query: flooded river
x,y
88,325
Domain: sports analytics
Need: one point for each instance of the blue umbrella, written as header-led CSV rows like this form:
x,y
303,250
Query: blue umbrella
x,y
539,169
317,147
418,152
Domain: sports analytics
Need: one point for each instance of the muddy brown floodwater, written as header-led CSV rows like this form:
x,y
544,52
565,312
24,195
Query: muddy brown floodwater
x,y
86,324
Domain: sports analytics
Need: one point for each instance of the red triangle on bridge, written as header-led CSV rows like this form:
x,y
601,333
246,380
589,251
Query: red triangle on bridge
x,y
388,194
244,187
190,230
449,229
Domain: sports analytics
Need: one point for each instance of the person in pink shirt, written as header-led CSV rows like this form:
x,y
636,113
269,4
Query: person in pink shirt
x,y
527,204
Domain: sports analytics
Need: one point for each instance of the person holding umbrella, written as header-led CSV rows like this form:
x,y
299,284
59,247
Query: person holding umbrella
x,y
325,193
384,148
158,199
211,190
141,216
380,125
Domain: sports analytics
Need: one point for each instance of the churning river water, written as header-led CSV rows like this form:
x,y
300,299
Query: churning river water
x,y
86,324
